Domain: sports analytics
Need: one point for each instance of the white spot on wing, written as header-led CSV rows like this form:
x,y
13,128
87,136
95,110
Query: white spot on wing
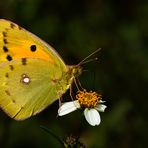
x,y
26,80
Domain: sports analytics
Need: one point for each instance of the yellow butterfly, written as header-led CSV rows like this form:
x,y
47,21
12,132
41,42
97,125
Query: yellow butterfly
x,y
32,74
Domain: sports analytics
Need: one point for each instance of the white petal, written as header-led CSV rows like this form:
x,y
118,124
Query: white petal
x,y
92,116
68,107
102,101
100,107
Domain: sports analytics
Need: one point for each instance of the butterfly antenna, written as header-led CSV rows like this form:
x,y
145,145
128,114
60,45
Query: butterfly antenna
x,y
90,60
84,60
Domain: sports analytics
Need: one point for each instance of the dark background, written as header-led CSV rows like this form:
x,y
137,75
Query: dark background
x,y
76,28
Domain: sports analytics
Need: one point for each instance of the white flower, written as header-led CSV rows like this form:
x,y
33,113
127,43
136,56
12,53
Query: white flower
x,y
90,101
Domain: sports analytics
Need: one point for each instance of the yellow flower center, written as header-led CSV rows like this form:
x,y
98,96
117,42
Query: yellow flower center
x,y
88,99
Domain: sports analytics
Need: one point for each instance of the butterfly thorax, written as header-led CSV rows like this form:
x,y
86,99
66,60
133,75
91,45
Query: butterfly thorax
x,y
67,78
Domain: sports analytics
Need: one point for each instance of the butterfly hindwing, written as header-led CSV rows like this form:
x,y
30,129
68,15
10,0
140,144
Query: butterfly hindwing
x,y
27,89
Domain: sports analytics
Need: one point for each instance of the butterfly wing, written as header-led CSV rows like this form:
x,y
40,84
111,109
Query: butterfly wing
x,y
25,90
29,70
16,42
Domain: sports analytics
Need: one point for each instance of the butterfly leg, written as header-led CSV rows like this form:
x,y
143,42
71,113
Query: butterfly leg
x,y
71,93
60,101
78,84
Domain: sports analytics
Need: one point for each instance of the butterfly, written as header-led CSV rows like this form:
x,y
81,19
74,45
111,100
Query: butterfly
x,y
32,74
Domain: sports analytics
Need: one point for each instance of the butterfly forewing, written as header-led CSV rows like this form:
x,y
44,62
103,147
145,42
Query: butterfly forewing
x,y
16,42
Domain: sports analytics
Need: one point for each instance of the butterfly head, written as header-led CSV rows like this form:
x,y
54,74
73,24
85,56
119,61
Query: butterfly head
x,y
74,70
